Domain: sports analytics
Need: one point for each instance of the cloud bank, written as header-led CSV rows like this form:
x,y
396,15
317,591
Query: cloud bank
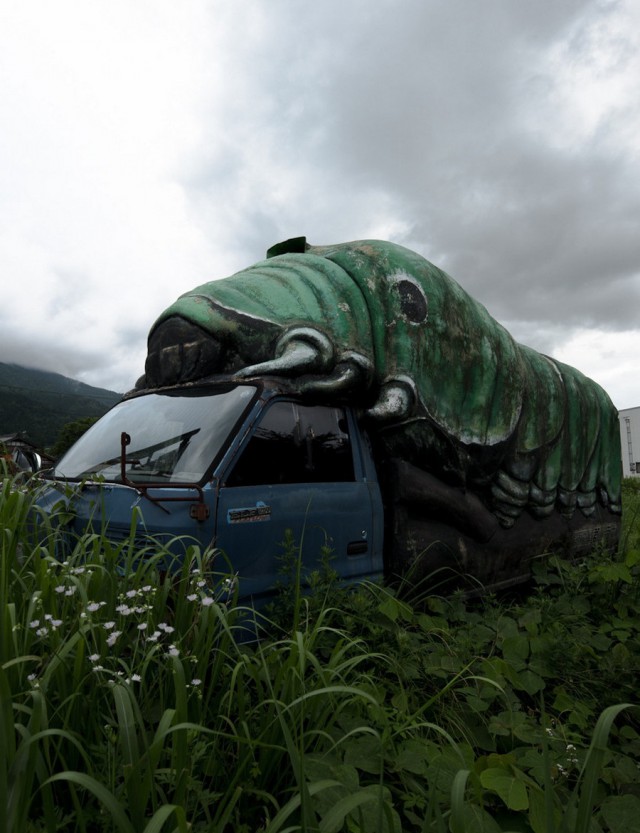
x,y
149,147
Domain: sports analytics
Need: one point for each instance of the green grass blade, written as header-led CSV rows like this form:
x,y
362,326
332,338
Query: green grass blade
x,y
126,725
162,814
7,745
275,825
224,813
458,789
334,819
104,796
161,734
136,784
593,765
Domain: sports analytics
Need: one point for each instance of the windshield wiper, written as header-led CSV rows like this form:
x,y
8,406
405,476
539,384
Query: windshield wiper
x,y
199,510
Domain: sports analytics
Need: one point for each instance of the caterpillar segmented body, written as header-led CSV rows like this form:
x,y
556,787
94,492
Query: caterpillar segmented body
x,y
444,384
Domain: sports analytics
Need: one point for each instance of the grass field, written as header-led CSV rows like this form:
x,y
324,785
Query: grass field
x,y
126,703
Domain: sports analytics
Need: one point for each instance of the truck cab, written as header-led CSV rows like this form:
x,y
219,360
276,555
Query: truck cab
x,y
232,467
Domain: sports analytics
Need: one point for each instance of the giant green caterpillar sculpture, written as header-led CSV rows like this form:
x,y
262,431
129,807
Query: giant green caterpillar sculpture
x,y
444,385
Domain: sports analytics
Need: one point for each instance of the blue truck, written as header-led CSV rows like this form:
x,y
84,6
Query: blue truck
x,y
354,397
235,468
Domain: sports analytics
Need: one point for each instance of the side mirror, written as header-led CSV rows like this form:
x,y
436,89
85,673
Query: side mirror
x,y
33,459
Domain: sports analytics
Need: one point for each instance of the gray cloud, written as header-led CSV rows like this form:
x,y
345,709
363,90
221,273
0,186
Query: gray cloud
x,y
452,114
498,139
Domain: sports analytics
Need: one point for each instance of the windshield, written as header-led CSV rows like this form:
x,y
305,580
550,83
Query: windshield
x,y
175,437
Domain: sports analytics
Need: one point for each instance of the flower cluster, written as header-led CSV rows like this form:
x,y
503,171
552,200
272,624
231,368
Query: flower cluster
x,y
69,589
129,624
200,589
48,623
117,675
566,752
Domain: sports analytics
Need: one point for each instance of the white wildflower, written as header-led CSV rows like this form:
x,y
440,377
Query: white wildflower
x,y
173,651
93,606
111,641
196,681
192,597
109,625
206,601
94,657
35,623
60,588
142,626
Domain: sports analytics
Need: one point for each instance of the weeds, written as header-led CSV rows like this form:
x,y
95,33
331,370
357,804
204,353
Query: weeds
x,y
129,702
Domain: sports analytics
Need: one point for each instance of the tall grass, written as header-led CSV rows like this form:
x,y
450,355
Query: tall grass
x,y
131,702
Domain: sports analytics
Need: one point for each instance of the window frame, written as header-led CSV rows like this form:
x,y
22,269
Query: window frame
x,y
347,432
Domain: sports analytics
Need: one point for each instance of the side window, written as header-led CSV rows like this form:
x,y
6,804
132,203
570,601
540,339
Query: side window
x,y
296,444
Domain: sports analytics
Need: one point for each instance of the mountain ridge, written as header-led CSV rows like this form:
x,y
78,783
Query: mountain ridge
x,y
38,403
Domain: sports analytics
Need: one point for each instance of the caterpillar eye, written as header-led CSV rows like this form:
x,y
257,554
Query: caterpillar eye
x,y
413,302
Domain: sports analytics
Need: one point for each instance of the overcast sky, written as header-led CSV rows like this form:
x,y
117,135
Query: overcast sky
x,y
147,146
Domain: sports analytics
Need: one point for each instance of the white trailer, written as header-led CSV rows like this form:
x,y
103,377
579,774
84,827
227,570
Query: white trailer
x,y
630,441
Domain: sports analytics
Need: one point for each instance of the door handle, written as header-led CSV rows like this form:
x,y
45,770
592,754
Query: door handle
x,y
357,548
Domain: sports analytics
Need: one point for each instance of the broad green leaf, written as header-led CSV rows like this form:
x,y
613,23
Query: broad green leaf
x,y
632,558
508,786
507,627
477,820
622,813
507,723
614,571
389,608
412,757
515,650
364,753
400,701
531,682
495,759
537,815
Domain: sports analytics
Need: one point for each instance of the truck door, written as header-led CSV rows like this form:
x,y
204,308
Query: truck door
x,y
297,471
